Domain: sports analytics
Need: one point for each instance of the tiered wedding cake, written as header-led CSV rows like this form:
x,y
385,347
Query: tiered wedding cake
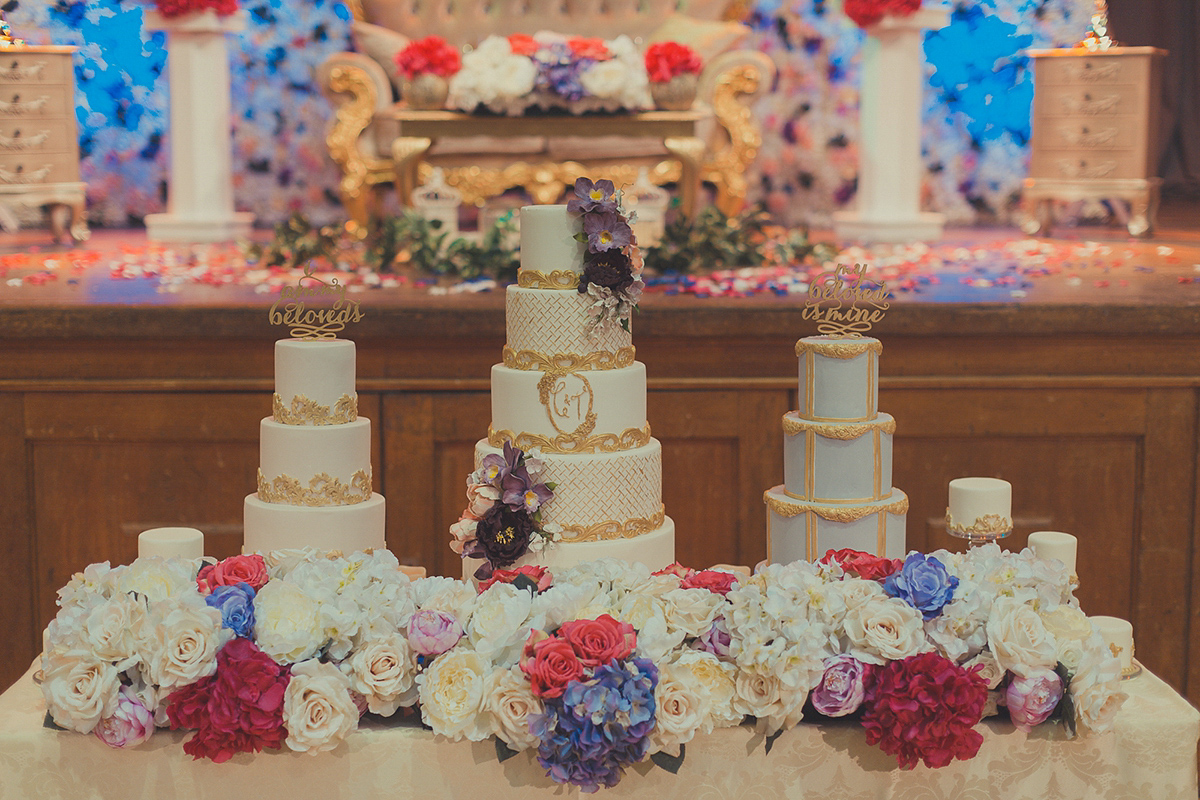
x,y
314,476
579,399
837,459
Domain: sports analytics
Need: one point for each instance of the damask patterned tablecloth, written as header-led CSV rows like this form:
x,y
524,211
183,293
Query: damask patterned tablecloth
x,y
1151,754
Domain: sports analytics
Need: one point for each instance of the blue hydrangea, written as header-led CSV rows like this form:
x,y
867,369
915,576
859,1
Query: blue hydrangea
x,y
236,604
923,583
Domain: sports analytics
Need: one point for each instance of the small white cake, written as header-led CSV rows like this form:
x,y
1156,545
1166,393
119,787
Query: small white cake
x,y
980,508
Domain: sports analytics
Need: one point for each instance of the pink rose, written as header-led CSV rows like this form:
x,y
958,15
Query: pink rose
x,y
1033,698
480,499
431,632
463,532
599,641
676,569
250,569
711,579
540,576
550,663
130,724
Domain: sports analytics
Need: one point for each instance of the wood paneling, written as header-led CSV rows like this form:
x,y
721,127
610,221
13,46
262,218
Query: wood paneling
x,y
20,636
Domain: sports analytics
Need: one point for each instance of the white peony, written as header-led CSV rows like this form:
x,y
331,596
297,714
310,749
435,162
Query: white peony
x,y
606,79
383,671
1018,639
445,594
178,643
287,622
884,629
112,628
318,710
681,708
87,587
452,695
499,626
156,578
79,688
509,701
715,680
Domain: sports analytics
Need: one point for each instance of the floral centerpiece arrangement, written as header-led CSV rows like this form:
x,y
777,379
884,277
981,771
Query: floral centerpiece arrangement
x,y
178,8
866,13
592,669
612,264
514,74
673,69
426,64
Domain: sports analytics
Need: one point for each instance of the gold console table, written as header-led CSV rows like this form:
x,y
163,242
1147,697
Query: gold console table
x,y
678,130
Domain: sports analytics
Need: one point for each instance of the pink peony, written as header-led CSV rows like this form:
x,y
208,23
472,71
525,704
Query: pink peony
x,y
842,687
130,724
1032,699
431,632
250,569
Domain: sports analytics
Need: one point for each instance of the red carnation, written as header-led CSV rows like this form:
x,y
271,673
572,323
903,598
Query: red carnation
x,y
711,579
599,641
522,44
539,575
251,569
864,565
589,47
177,8
550,664
925,708
665,60
428,56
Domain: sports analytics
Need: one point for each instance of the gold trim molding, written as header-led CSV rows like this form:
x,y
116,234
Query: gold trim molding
x,y
568,362
793,426
989,525
786,508
323,490
612,529
556,279
628,439
304,411
838,348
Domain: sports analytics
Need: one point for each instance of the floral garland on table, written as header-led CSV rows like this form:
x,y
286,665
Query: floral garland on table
x,y
612,265
511,75
866,13
178,8
429,56
594,668
503,518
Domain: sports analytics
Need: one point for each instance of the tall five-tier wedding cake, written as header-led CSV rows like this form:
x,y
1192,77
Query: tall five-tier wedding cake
x,y
572,393
314,477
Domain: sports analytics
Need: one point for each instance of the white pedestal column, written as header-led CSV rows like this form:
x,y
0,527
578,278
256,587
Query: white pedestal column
x,y
890,167
200,193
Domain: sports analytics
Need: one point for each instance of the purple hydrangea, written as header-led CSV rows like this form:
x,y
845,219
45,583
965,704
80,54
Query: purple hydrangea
x,y
923,583
559,71
236,604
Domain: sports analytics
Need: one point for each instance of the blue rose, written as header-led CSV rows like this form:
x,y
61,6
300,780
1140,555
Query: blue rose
x,y
236,604
923,583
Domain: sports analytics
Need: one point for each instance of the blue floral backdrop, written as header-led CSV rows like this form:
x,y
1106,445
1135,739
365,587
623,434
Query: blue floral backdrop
x,y
976,115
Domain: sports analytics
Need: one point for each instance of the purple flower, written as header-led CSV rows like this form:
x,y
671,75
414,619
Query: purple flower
x,y
131,722
842,687
715,640
606,230
609,268
501,537
431,632
1032,699
236,604
521,494
598,196
559,71
923,583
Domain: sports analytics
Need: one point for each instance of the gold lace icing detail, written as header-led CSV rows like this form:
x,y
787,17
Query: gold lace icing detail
x,y
838,348
793,426
628,439
786,508
556,279
323,490
568,362
985,526
612,529
304,411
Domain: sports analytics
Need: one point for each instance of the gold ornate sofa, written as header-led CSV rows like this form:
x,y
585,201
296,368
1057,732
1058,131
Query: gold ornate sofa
x,y
362,85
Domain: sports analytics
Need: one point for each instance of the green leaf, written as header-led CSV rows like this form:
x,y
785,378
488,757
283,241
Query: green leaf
x,y
771,741
503,751
669,762
49,722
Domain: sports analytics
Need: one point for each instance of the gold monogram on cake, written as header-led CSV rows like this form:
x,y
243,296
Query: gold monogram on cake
x,y
309,322
844,302
568,398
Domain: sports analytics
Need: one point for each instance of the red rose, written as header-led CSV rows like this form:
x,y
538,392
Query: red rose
x,y
538,575
864,565
585,47
550,663
676,569
665,60
249,569
711,579
522,44
431,55
599,641
866,13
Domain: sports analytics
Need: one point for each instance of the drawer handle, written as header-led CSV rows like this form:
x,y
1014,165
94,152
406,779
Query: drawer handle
x,y
22,177
17,73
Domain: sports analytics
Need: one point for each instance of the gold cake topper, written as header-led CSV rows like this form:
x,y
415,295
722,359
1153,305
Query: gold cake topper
x,y
314,323
844,302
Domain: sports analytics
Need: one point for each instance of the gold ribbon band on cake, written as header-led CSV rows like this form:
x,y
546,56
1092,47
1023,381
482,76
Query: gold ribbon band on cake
x,y
794,426
568,362
838,348
613,529
628,439
789,509
555,279
985,526
304,411
323,490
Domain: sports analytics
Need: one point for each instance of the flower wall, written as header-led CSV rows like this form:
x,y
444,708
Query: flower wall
x,y
976,110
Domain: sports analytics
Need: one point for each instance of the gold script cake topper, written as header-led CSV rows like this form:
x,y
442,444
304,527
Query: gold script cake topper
x,y
844,302
305,322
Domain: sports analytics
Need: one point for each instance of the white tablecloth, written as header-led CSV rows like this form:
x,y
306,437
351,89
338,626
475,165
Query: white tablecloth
x,y
1150,754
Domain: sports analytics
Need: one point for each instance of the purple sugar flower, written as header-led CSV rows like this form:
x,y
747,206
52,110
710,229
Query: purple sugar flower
x,y
1032,699
842,687
606,230
598,196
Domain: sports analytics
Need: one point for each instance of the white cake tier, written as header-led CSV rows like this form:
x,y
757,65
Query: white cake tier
x,y
314,382
980,507
323,459
655,549
548,240
601,495
802,531
270,526
587,411
839,378
837,462
549,327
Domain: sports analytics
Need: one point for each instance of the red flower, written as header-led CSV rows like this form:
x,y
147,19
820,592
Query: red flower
x,y
177,8
864,565
665,60
428,56
866,13
550,664
249,569
925,708
523,44
538,575
593,48
711,579
676,569
599,641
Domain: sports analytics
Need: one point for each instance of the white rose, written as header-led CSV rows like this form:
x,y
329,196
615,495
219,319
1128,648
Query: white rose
x,y
1096,687
514,76
509,700
691,611
80,689
681,708
287,622
761,694
885,629
451,692
381,670
1067,622
1070,654
497,629
657,585
318,710
992,672
715,679
178,643
157,578
1018,639
111,629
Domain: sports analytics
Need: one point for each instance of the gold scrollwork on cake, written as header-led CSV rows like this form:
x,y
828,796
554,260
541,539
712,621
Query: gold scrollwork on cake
x,y
793,426
568,362
323,490
838,348
612,529
304,411
987,526
555,279
628,439
785,508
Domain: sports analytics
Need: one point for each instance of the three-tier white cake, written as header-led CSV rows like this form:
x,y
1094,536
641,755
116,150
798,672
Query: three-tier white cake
x,y
837,459
314,477
580,400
